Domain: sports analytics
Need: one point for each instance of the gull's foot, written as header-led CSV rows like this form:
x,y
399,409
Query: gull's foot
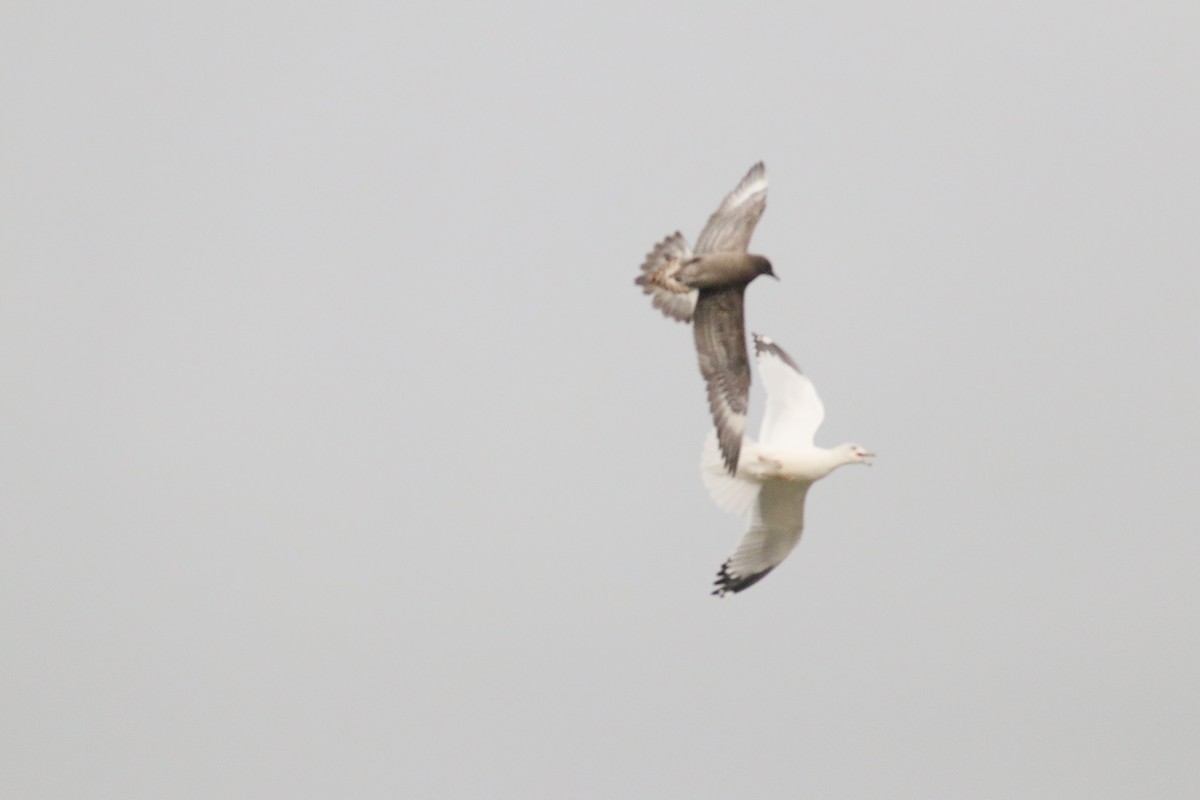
x,y
772,465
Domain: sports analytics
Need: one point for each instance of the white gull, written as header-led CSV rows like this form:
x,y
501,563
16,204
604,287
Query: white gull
x,y
775,472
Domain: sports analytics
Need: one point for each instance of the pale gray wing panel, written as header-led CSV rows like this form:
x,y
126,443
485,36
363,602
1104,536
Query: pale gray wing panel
x,y
730,227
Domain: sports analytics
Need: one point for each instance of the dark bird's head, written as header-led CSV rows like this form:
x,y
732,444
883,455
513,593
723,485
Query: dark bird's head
x,y
763,267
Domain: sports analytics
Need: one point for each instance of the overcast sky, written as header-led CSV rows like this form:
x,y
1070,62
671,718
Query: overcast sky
x,y
340,457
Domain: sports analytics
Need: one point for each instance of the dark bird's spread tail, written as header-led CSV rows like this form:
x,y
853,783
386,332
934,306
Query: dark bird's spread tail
x,y
674,299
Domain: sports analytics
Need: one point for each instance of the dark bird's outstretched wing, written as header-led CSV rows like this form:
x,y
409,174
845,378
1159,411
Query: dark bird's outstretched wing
x,y
730,227
721,347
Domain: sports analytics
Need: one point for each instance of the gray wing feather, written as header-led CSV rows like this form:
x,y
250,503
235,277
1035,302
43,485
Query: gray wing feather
x,y
721,348
774,531
730,227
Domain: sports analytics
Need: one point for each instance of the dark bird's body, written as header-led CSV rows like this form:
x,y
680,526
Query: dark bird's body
x,y
706,287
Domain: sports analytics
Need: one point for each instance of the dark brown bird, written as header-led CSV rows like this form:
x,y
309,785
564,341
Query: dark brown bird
x,y
707,287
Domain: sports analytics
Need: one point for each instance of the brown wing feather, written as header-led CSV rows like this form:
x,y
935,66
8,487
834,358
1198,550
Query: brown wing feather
x,y
721,348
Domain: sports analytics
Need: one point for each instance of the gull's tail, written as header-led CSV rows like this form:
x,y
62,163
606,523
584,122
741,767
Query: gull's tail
x,y
674,299
735,494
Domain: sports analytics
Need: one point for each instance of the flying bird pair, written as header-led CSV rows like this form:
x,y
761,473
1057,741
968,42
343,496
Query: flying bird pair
x,y
766,480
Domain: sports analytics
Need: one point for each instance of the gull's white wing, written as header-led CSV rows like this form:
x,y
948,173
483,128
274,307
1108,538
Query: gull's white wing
x,y
774,531
730,227
794,409
736,495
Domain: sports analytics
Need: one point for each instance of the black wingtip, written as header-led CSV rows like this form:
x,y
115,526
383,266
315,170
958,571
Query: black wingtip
x,y
727,583
765,344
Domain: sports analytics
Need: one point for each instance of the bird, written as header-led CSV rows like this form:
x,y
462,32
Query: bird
x,y
776,472
706,286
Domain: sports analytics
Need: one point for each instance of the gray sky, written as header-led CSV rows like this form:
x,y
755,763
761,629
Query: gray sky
x,y
341,457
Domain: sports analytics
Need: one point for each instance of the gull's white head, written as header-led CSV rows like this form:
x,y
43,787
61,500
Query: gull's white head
x,y
855,454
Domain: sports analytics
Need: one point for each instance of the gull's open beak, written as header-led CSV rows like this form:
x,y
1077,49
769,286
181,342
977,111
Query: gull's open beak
x,y
866,456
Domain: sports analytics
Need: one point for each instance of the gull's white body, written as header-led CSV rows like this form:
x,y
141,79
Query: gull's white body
x,y
775,472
